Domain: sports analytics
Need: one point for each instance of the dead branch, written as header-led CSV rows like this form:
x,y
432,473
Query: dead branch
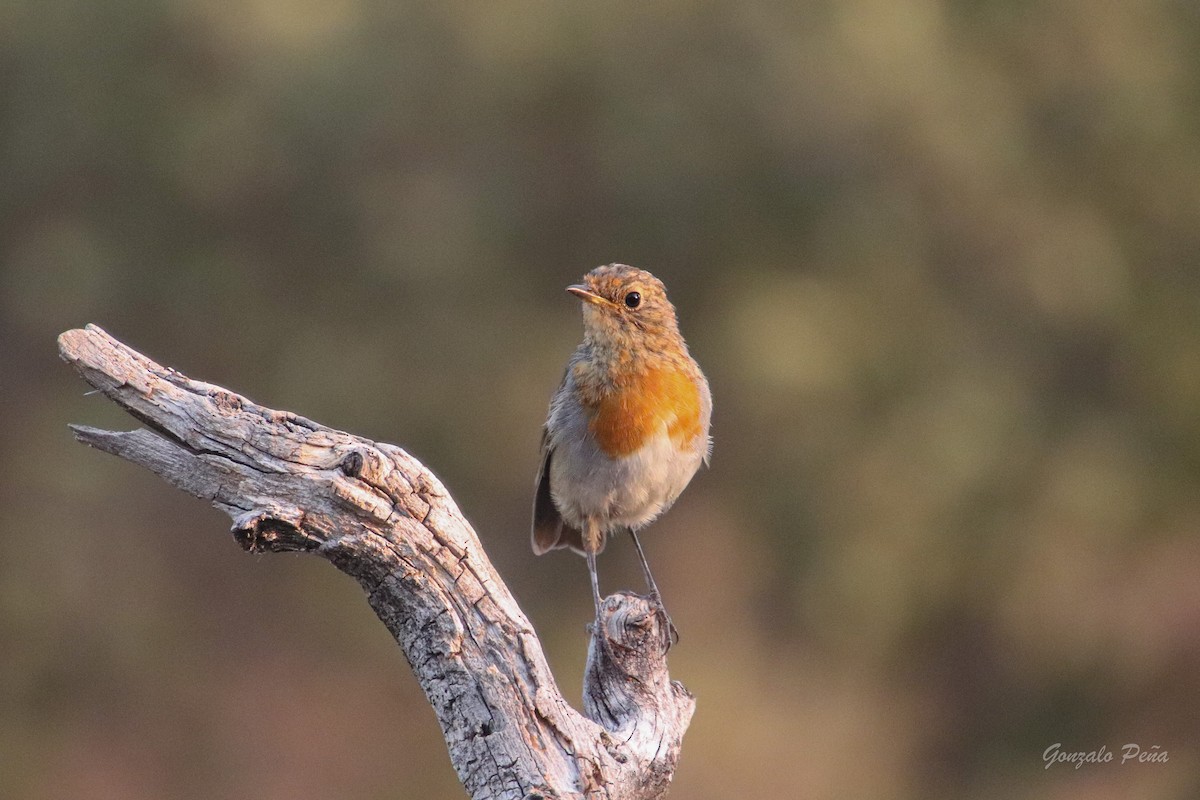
x,y
377,514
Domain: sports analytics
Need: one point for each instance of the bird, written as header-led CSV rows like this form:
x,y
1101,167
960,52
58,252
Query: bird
x,y
627,427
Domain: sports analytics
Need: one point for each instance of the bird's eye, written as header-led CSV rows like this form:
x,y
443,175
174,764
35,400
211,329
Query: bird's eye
x,y
633,300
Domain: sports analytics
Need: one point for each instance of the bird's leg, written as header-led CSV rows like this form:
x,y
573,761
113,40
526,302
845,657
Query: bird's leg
x,y
655,595
591,545
591,562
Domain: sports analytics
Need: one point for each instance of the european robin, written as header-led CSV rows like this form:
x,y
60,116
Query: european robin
x,y
628,426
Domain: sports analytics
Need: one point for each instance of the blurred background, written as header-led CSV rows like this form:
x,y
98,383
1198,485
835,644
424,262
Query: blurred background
x,y
938,259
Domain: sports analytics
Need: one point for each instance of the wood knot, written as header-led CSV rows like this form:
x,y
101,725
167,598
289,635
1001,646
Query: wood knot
x,y
352,465
272,531
225,401
634,623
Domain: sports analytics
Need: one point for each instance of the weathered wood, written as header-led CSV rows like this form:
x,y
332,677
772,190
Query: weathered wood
x,y
378,515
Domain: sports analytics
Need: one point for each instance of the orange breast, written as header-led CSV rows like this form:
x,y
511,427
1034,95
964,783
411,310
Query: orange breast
x,y
638,408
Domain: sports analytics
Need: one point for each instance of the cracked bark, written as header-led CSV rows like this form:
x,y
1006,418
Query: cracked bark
x,y
377,514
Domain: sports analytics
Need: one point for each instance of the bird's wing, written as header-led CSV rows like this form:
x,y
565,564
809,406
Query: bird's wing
x,y
547,522
550,532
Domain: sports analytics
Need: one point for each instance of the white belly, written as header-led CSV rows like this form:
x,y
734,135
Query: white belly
x,y
623,492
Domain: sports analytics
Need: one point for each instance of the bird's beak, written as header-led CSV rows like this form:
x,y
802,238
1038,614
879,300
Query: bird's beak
x,y
587,295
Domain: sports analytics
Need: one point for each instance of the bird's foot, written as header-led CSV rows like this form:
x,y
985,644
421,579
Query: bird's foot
x,y
668,624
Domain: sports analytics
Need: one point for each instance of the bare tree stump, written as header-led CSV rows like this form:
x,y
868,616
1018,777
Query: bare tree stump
x,y
381,517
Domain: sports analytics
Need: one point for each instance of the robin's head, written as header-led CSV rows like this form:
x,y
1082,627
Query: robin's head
x,y
622,303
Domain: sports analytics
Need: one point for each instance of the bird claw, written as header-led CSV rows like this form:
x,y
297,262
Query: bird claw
x,y
668,623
